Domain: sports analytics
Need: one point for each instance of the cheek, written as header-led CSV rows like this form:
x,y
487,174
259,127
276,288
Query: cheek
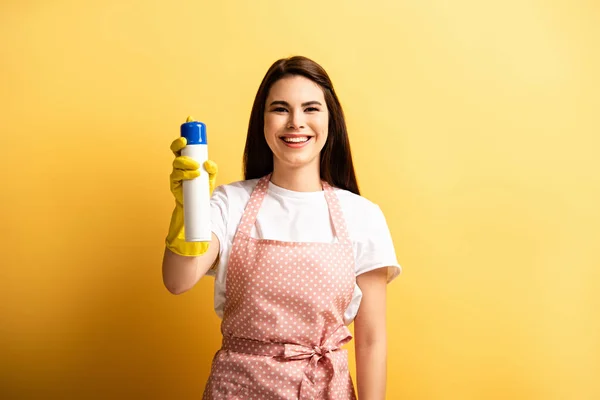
x,y
271,125
268,128
323,138
323,128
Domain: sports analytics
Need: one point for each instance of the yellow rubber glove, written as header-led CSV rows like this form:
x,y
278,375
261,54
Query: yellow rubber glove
x,y
185,168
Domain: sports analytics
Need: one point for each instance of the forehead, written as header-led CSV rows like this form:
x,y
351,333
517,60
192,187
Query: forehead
x,y
295,88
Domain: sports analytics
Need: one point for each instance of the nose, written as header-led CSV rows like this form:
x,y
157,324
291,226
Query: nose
x,y
296,121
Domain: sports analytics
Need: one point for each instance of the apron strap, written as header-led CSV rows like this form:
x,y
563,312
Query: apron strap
x,y
251,210
337,216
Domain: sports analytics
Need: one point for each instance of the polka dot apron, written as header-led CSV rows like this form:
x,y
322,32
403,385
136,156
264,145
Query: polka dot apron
x,y
283,322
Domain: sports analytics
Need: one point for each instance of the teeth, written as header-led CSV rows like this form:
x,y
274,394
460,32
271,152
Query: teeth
x,y
296,139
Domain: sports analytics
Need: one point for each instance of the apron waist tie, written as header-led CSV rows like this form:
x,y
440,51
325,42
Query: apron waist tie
x,y
290,351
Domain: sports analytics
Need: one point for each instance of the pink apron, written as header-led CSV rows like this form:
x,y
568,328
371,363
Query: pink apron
x,y
283,322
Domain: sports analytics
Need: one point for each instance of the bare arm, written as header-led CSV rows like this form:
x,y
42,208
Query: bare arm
x,y
370,336
181,273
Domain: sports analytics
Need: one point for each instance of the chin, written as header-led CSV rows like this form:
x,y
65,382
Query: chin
x,y
296,162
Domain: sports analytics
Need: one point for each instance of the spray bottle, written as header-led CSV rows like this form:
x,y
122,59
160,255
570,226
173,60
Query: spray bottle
x,y
196,192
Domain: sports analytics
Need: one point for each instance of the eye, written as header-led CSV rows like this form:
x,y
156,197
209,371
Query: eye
x,y
280,109
312,109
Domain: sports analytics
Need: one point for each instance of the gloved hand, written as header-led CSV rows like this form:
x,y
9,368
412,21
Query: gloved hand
x,y
185,168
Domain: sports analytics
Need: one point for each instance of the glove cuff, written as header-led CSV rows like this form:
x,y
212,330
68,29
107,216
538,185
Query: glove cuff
x,y
175,240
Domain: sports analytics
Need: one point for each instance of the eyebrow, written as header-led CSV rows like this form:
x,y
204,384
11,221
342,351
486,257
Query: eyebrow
x,y
285,103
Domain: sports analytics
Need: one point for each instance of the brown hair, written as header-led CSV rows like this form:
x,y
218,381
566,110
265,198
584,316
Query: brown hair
x,y
337,168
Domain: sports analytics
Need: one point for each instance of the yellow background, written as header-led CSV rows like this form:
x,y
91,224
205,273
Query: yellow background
x,y
474,125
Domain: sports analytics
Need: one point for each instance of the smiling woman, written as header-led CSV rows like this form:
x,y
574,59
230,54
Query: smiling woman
x,y
296,127
297,253
296,98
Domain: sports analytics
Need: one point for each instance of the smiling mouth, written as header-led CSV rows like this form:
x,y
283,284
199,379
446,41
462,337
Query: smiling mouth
x,y
297,139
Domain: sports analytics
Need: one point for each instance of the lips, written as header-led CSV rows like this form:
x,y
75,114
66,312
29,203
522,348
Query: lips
x,y
295,141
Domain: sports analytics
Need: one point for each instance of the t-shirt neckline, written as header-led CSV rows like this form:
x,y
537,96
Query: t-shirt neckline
x,y
278,190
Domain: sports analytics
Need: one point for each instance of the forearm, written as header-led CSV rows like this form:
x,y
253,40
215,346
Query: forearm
x,y
181,273
371,369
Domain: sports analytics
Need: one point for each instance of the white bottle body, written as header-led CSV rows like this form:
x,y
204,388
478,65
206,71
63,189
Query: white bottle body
x,y
196,198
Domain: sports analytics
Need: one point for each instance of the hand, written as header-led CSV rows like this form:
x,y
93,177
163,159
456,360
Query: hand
x,y
185,168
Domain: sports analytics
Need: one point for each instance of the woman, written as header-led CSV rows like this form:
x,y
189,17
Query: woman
x,y
295,251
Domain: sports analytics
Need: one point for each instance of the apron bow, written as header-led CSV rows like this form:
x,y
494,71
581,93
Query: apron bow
x,y
308,388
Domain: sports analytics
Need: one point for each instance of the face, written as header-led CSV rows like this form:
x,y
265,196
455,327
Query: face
x,y
296,122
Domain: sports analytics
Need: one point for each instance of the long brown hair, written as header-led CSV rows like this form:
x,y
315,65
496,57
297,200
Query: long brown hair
x,y
336,167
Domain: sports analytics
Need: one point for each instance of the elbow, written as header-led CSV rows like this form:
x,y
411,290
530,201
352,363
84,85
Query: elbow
x,y
176,288
176,291
372,341
367,336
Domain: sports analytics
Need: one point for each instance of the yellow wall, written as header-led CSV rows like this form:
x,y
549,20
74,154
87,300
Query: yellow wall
x,y
474,125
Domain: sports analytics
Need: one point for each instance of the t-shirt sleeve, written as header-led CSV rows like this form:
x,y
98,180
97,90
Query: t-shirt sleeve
x,y
219,217
375,248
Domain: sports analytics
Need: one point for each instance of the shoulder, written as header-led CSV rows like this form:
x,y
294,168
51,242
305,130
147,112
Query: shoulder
x,y
370,234
364,218
354,203
238,190
228,201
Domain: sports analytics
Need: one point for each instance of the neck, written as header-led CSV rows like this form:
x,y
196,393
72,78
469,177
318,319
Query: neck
x,y
301,179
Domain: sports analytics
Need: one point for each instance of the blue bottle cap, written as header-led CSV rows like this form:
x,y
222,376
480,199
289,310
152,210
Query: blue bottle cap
x,y
194,132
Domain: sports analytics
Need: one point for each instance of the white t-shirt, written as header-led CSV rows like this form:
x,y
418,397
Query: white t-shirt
x,y
286,215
